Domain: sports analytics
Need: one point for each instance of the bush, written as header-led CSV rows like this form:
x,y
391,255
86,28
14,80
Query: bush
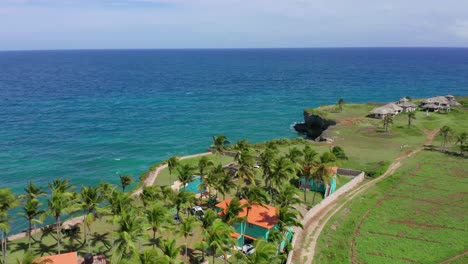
x,y
339,153
378,169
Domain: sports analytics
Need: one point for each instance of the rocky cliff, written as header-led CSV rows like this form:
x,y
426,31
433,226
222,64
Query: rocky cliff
x,y
314,125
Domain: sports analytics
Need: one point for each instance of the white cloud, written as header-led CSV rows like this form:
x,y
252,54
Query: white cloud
x,y
230,23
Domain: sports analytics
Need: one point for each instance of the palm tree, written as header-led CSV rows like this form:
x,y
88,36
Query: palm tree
x,y
411,116
287,218
341,103
256,196
309,155
172,163
32,192
130,229
267,158
125,180
294,155
446,133
90,200
60,201
218,237
156,217
186,229
225,184
275,236
387,120
265,253
282,170
306,174
185,174
169,249
31,210
151,194
245,162
220,142
183,198
322,172
207,221
203,164
212,179
461,139
287,196
7,201
149,256
106,189
231,215
117,203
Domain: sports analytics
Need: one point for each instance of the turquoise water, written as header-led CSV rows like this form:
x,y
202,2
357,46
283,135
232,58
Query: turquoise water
x,y
193,186
92,115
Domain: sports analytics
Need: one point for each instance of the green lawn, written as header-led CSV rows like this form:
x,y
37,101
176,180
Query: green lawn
x,y
165,179
416,215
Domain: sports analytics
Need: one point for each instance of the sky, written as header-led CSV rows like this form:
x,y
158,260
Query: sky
x,y
147,24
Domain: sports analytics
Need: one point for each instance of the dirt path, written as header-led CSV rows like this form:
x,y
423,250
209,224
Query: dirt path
x,y
315,225
149,181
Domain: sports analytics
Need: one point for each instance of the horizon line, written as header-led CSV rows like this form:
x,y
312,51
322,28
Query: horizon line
x,y
242,48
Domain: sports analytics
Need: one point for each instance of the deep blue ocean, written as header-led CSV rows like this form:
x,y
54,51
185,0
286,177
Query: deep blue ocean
x,y
93,115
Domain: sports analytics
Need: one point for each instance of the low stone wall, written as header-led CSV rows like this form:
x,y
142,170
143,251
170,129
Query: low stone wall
x,y
348,172
327,201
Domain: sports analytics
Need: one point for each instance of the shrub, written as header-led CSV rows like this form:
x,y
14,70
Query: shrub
x,y
339,153
378,169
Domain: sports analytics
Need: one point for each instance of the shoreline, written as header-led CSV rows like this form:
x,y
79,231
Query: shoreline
x,y
149,181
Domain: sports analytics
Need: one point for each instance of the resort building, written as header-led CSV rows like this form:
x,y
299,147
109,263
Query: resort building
x,y
259,221
438,103
391,109
319,186
406,105
73,258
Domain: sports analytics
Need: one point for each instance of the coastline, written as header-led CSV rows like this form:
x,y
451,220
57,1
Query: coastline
x,y
149,181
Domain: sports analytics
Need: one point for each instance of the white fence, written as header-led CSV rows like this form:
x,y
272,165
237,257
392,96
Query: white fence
x,y
326,202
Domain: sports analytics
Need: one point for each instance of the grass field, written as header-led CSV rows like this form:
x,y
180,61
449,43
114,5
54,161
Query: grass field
x,y
165,179
417,215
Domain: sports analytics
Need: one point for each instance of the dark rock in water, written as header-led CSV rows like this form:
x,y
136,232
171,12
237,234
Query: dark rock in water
x,y
313,125
300,128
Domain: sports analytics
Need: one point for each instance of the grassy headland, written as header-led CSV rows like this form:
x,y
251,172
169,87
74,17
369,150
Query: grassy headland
x,y
367,145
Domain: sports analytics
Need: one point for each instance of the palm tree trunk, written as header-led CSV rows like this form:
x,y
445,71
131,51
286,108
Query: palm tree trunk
x,y
3,248
313,199
89,240
305,195
29,234
186,248
213,251
203,250
57,219
245,226
85,234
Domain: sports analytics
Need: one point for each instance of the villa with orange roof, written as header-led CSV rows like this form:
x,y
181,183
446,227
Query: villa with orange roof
x,y
73,258
261,219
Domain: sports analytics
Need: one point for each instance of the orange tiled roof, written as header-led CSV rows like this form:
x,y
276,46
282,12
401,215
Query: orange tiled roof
x,y
66,258
264,216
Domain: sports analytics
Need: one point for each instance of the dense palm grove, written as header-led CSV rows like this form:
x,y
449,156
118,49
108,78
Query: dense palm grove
x,y
140,224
